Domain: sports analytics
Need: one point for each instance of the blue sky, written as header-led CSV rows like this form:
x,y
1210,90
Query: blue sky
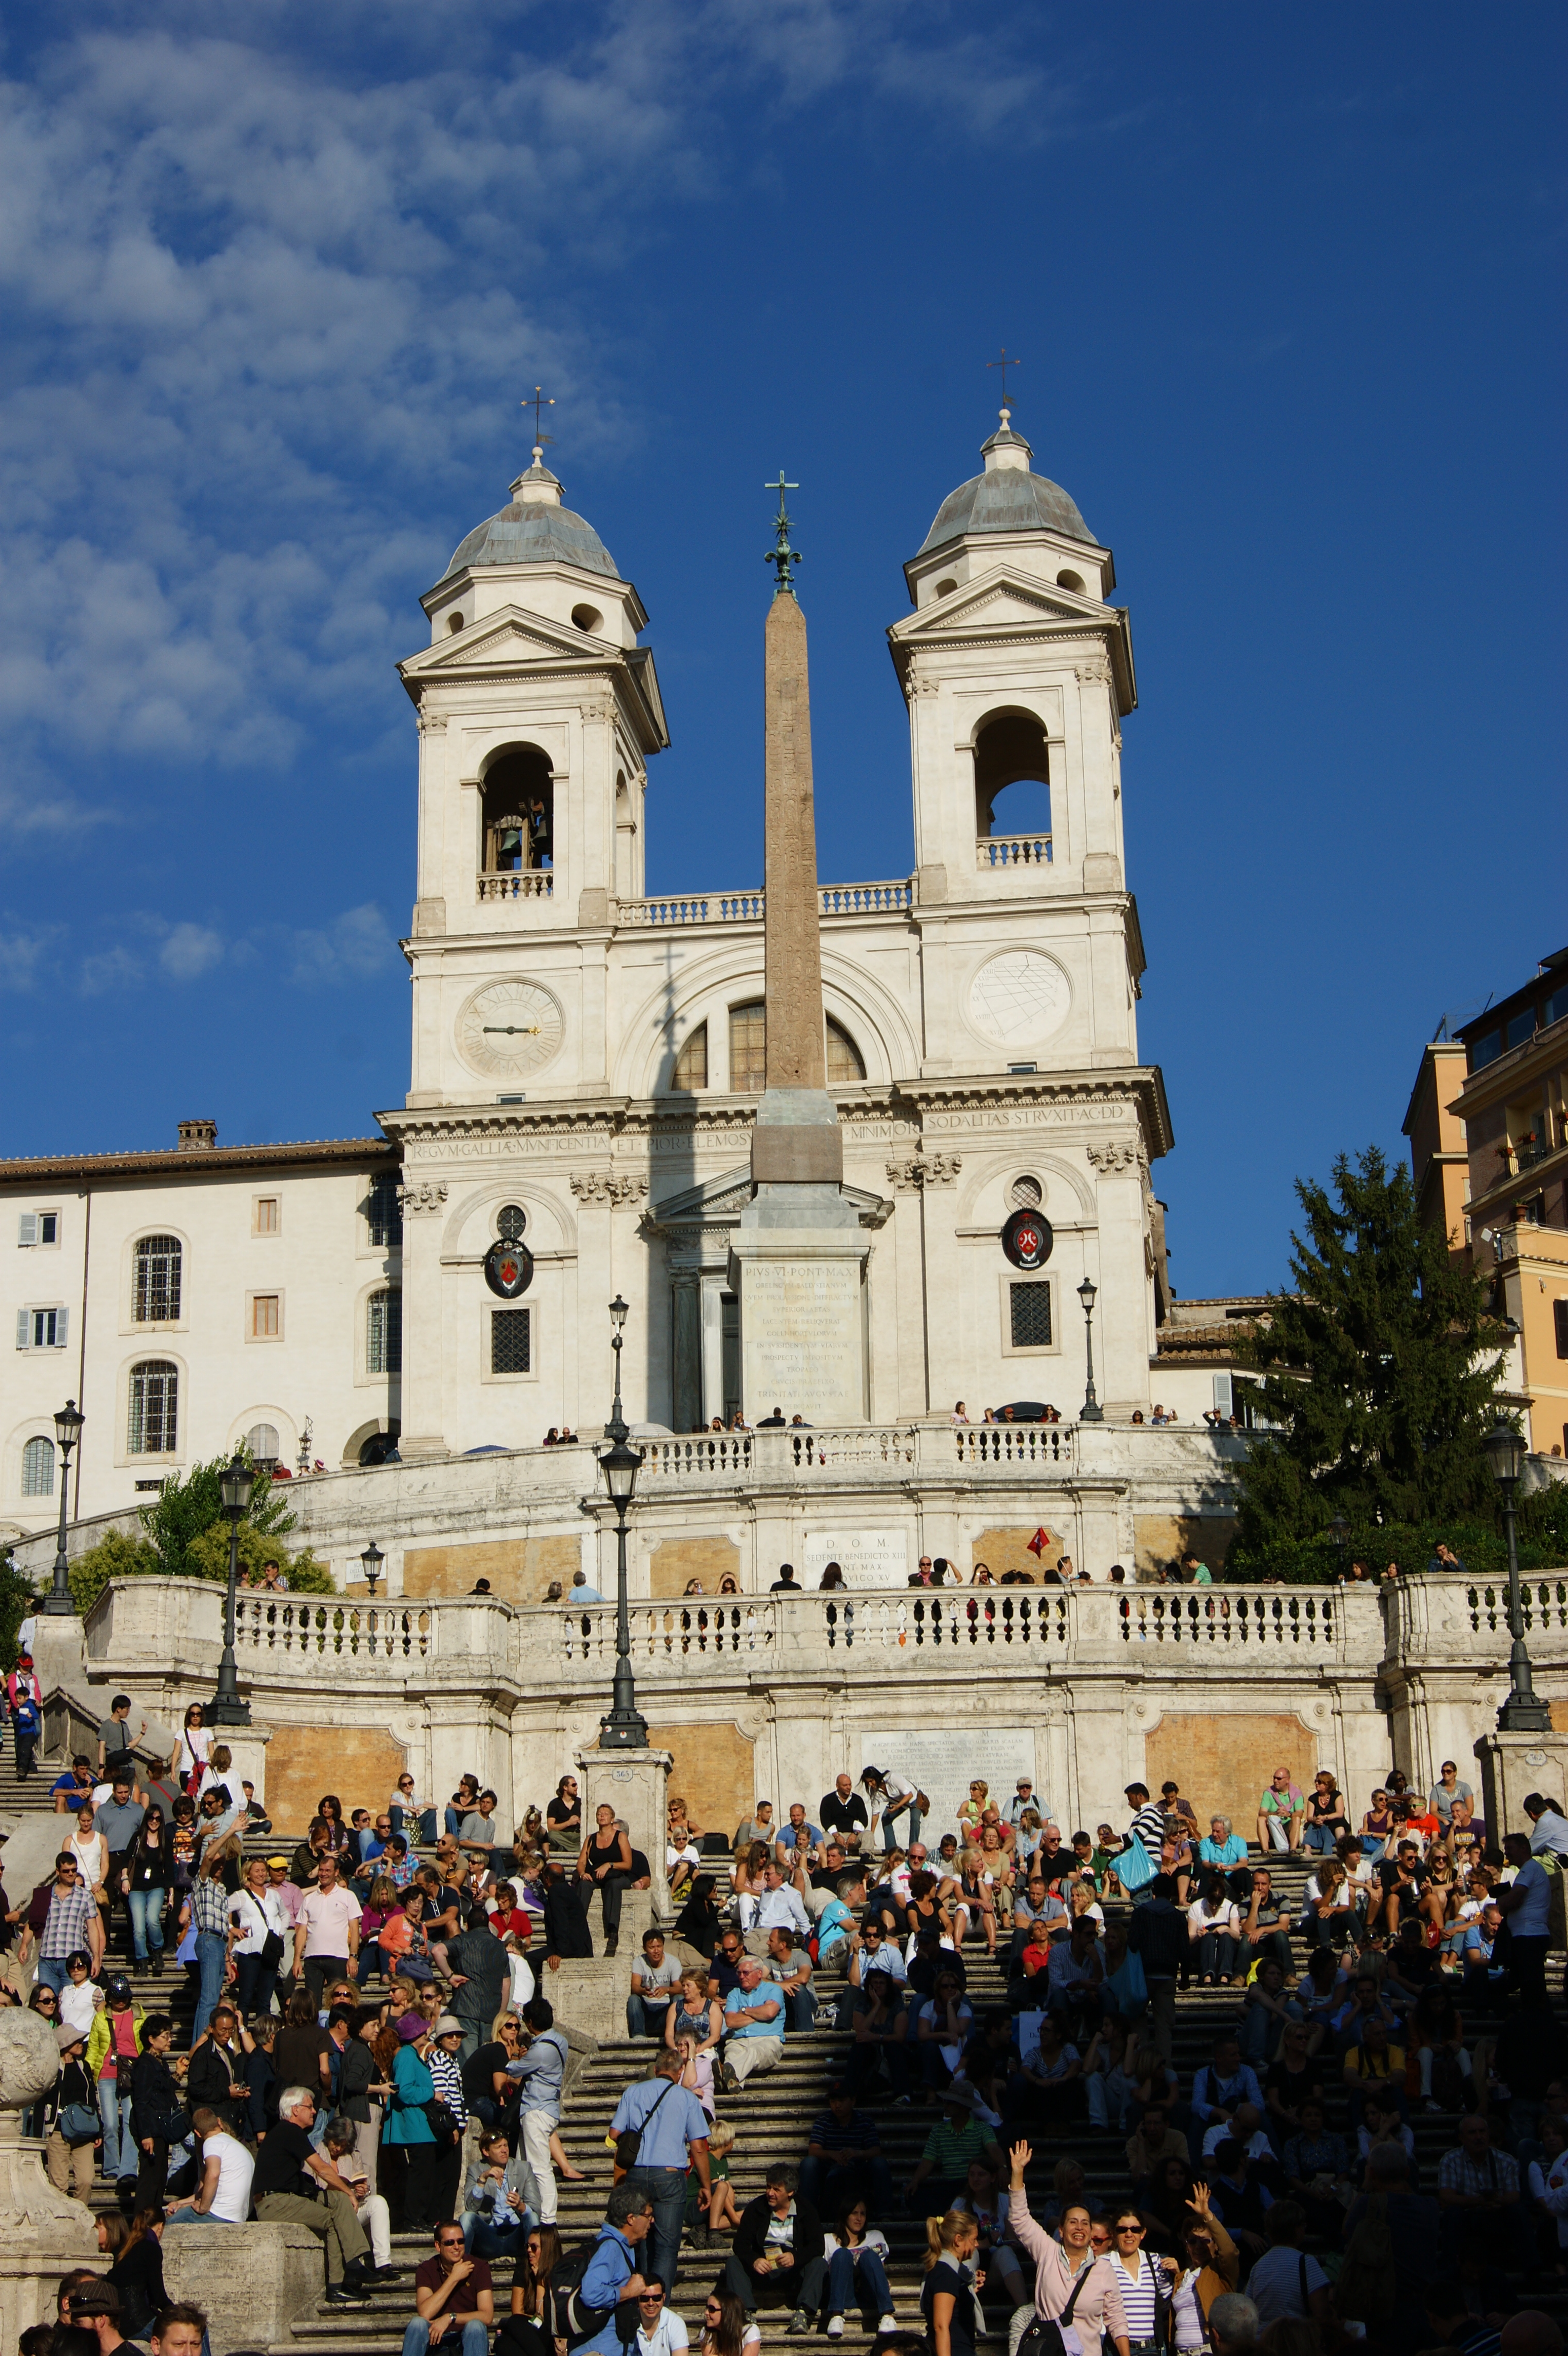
x,y
1287,285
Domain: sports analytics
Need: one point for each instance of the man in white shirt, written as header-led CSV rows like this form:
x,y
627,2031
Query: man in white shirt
x,y
1023,1797
223,2196
1526,1902
779,1907
1284,2285
659,2332
327,1936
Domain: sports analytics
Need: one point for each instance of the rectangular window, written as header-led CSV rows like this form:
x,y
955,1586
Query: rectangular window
x,y
1521,1027
37,1227
1555,1007
1224,1397
266,1320
383,1333
510,1342
1560,1319
1486,1051
267,1218
1031,1313
383,1213
42,1329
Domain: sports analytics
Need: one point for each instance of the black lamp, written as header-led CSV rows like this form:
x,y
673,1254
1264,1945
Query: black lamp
x,y
68,1421
1091,1410
1524,1712
624,1728
372,1559
235,1484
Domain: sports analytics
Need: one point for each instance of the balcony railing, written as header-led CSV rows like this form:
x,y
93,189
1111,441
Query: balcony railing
x,y
1013,851
749,907
314,1628
812,1453
522,883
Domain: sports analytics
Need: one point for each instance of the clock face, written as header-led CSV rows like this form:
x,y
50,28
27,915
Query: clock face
x,y
509,1029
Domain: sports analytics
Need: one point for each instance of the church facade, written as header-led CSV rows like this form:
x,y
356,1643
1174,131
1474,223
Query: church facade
x,y
586,1060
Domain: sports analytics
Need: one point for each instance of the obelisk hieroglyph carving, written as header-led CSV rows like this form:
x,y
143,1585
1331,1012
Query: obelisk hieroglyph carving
x,y
799,1260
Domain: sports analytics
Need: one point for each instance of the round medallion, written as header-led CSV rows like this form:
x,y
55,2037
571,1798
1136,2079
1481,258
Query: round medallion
x,y
1026,1239
509,1029
509,1269
1019,999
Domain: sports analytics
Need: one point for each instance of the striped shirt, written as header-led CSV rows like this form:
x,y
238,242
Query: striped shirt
x,y
1148,1826
1138,2296
446,2075
209,1906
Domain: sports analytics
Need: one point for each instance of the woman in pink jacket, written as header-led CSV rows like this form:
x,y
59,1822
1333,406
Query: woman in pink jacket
x,y
1060,2267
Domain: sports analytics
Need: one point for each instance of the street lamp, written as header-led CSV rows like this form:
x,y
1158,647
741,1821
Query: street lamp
x,y
1091,1410
1524,1712
67,1426
372,1559
624,1728
1339,1530
235,1484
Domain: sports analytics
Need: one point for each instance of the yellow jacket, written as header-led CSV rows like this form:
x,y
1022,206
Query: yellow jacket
x,y
98,2035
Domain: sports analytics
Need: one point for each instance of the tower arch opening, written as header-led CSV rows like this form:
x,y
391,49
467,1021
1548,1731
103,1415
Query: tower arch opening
x,y
517,799
1012,777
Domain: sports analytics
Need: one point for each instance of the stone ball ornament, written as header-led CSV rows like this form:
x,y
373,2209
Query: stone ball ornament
x,y
30,2058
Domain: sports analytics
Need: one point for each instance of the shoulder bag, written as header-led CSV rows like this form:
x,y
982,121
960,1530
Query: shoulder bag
x,y
1053,2335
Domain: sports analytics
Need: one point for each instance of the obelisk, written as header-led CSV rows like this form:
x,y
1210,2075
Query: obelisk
x,y
799,1261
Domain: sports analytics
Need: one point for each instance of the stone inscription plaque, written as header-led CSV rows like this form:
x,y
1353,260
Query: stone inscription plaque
x,y
866,1558
944,1763
800,1341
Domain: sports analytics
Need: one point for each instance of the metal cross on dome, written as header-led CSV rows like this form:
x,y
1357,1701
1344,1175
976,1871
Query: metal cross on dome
x,y
1005,363
541,400
783,556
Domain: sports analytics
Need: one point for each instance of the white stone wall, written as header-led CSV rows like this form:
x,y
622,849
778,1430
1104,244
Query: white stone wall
x,y
319,1263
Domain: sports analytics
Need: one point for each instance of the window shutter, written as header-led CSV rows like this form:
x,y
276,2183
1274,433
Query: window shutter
x,y
1222,1404
62,1326
23,1329
1560,1319
28,1228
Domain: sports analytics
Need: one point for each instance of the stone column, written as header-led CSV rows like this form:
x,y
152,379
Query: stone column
x,y
1512,1766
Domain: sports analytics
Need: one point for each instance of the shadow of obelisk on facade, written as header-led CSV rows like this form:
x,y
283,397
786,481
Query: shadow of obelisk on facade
x,y
799,1261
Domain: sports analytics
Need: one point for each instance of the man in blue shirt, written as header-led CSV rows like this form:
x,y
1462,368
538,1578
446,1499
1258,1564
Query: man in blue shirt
x,y
754,2018
613,2274
672,2136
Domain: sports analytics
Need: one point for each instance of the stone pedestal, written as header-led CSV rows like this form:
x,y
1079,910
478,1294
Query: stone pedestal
x,y
43,2233
252,2282
802,1319
1512,1766
636,1785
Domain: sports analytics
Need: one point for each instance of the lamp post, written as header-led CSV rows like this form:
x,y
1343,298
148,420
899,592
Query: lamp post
x,y
1091,1410
1524,1712
1339,1530
624,1728
235,1484
372,1559
67,1426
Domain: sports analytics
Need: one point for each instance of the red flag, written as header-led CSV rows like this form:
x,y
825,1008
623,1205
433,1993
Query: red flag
x,y
1039,1542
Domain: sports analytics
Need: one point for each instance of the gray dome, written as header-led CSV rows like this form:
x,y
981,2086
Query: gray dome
x,y
535,530
536,535
1006,498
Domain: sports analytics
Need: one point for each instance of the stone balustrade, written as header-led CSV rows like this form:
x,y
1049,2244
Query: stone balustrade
x,y
1013,851
749,907
522,883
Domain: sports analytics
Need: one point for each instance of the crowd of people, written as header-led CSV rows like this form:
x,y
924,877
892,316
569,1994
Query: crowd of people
x,y
374,2050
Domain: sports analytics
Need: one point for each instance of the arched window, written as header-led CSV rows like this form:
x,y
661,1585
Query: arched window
x,y
1010,754
156,1298
262,1440
518,801
383,1333
748,1051
691,1063
155,1409
38,1469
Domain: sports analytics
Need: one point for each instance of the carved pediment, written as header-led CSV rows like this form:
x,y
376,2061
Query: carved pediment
x,y
511,636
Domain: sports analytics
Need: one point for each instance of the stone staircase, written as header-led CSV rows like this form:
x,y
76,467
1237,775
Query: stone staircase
x,y
772,2116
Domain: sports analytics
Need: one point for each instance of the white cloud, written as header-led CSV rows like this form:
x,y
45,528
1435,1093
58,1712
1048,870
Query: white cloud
x,y
356,946
264,309
190,951
109,969
23,950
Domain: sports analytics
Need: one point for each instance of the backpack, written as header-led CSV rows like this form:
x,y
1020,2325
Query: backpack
x,y
1365,2290
575,2320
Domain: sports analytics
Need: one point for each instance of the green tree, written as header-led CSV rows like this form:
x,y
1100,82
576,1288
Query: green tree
x,y
1379,1370
187,1536
189,1506
17,1599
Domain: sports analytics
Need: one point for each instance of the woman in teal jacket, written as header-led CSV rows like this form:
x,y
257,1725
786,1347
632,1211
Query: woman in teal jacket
x,y
410,2130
